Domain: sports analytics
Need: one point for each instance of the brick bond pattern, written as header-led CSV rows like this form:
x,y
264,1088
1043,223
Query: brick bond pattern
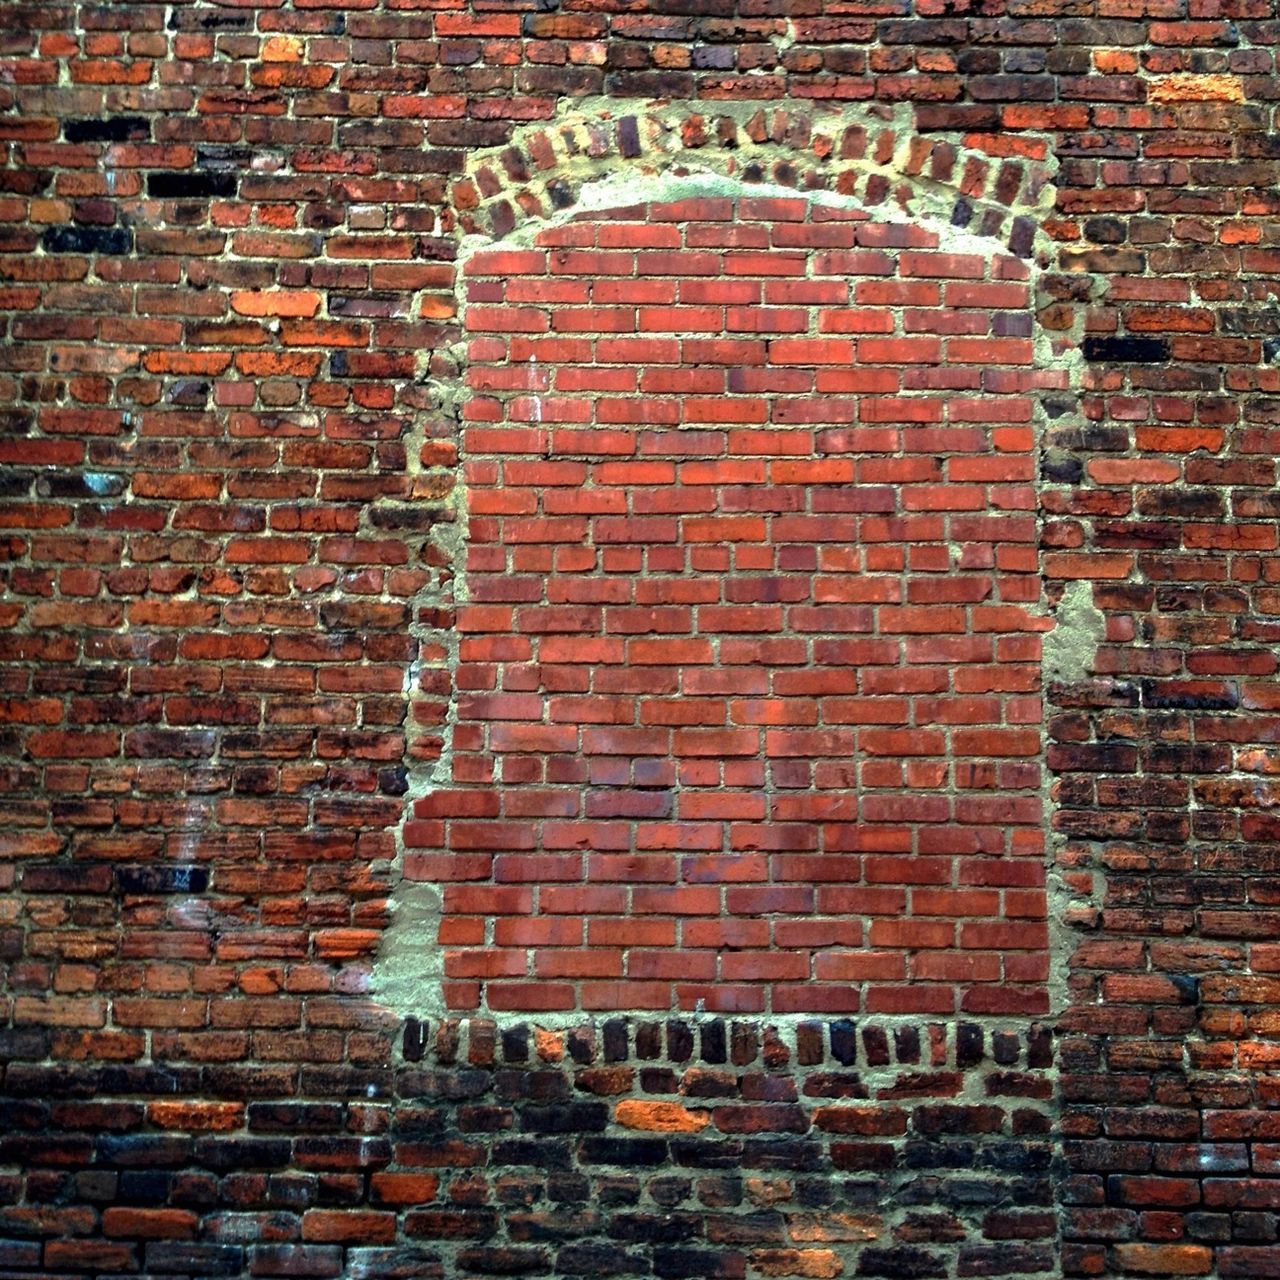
x,y
227,243
748,667
655,1149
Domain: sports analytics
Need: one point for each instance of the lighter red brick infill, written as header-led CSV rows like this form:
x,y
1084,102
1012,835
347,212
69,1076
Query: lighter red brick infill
x,y
748,710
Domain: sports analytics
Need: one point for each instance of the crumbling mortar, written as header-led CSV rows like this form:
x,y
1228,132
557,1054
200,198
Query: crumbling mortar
x,y
1069,646
410,963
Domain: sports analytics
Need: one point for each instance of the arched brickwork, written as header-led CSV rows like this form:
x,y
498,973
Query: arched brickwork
x,y
996,187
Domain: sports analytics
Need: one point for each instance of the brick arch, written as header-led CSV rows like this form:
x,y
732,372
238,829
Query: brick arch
x,y
994,187
504,834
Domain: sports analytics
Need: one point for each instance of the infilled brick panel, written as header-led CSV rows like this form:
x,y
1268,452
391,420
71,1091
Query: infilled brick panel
x,y
747,706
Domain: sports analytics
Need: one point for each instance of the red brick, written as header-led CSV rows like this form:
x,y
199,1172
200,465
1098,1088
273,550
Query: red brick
x,y
150,1224
348,1226
750,626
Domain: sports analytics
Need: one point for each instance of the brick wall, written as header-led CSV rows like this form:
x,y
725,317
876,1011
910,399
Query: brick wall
x,y
527,528
747,691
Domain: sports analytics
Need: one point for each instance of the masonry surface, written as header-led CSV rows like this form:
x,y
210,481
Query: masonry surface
x,y
639,640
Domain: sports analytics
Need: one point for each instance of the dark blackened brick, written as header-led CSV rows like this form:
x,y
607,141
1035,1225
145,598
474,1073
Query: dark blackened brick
x,y
393,780
1065,468
495,1261
627,1152
1005,1047
163,1257
403,1262
25,1115
701,1153
712,1084
33,1149
190,186
685,1264
30,1043
226,1154
1126,350
533,1151
1016,1157
1007,1259
415,1040
212,156
347,1082
15,483
712,1036
515,1044
581,1045
615,1040
648,1041
901,1264
144,1186
948,31
844,1042
80,485
969,1044
796,1154
112,240
653,1228
574,1117
473,1119
538,1086
111,129
587,1259
1106,230
752,1228
314,1261
906,1042
20,1254
679,1042
939,1155
341,1152
142,1150
958,1119
863,1155
150,879
470,1223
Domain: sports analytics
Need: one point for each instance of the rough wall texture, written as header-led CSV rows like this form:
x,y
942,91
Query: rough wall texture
x,y
745,675
530,529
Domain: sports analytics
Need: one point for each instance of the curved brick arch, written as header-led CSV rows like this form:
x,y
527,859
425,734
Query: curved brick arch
x,y
994,187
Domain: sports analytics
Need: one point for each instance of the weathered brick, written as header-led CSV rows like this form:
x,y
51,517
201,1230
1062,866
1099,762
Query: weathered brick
x,y
748,675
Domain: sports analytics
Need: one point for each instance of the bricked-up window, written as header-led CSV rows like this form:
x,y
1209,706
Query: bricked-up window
x,y
747,701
